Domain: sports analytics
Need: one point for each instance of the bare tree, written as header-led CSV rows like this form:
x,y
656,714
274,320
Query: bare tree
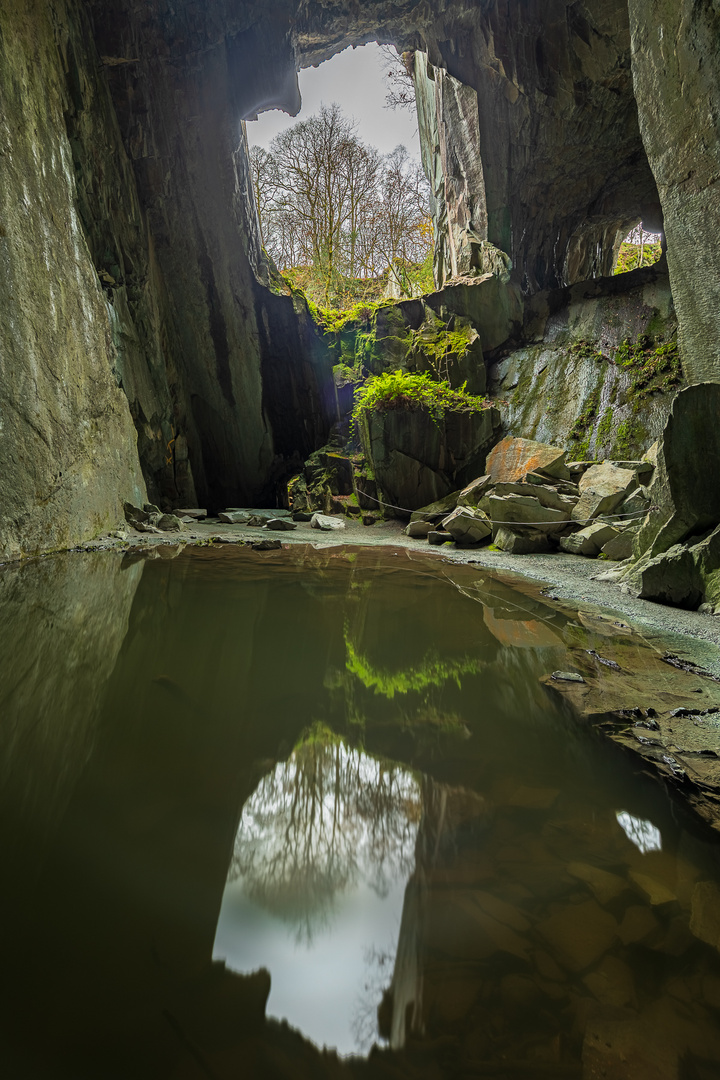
x,y
399,76
331,207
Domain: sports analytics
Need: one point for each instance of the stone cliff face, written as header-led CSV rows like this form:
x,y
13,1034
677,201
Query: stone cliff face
x,y
130,258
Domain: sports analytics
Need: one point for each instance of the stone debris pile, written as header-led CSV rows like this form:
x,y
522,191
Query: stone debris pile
x,y
531,499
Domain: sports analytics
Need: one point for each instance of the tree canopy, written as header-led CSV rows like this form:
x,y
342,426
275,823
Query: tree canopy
x,y
339,217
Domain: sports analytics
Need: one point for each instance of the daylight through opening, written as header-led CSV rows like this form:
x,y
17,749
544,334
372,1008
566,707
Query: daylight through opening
x,y
343,202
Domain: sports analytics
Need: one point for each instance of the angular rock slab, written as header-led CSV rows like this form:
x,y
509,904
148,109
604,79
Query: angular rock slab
x,y
602,489
512,459
525,510
579,934
590,540
327,524
467,526
525,542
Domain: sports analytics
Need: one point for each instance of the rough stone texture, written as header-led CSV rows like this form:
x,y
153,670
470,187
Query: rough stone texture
x,y
521,542
512,459
68,453
589,541
562,383
467,526
602,489
677,86
417,460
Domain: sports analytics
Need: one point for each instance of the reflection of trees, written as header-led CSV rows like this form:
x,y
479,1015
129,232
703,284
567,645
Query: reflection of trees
x,y
320,822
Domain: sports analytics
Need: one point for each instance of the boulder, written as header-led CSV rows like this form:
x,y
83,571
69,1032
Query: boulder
x,y
418,530
437,510
327,524
546,494
590,540
234,517
512,459
169,523
685,576
524,510
621,545
438,536
467,526
471,495
602,489
281,524
197,515
635,506
525,542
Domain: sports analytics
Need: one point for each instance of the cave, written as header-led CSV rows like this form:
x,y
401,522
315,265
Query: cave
x,y
158,371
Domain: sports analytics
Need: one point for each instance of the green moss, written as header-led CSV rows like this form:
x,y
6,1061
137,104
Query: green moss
x,y
629,436
605,426
654,368
407,391
586,350
587,417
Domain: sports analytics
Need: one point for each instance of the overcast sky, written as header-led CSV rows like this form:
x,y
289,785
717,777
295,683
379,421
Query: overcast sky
x,y
354,79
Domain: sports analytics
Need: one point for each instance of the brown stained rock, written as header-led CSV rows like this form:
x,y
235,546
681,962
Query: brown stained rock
x,y
603,885
520,633
579,934
612,983
638,924
512,459
619,1046
705,913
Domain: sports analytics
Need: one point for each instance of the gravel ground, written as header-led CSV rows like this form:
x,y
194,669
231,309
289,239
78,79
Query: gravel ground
x,y
560,577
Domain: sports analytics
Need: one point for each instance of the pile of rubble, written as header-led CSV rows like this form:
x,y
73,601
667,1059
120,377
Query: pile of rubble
x,y
531,499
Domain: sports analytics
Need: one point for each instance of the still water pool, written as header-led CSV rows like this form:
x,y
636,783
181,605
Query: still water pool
x,y
340,766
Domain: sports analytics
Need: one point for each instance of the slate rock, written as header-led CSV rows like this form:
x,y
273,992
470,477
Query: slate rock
x,y
471,495
326,523
437,510
602,489
418,530
197,514
467,526
281,525
525,542
567,676
266,545
169,523
621,545
234,517
705,913
590,540
438,536
512,459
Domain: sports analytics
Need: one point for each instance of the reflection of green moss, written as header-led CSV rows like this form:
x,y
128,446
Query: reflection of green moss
x,y
432,672
317,734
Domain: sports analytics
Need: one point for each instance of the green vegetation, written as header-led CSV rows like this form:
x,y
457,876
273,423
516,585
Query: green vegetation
x,y
432,672
605,426
586,350
655,369
404,390
587,417
633,256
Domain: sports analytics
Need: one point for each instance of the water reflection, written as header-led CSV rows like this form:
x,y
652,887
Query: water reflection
x,y
643,834
320,822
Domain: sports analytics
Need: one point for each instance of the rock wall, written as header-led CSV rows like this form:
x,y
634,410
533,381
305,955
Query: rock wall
x,y
68,452
677,86
129,247
598,367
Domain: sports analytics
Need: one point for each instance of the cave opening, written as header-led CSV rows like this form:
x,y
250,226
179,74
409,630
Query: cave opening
x,y
343,202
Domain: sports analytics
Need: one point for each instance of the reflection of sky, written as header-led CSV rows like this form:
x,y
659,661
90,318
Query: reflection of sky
x,y
316,986
643,834
316,886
